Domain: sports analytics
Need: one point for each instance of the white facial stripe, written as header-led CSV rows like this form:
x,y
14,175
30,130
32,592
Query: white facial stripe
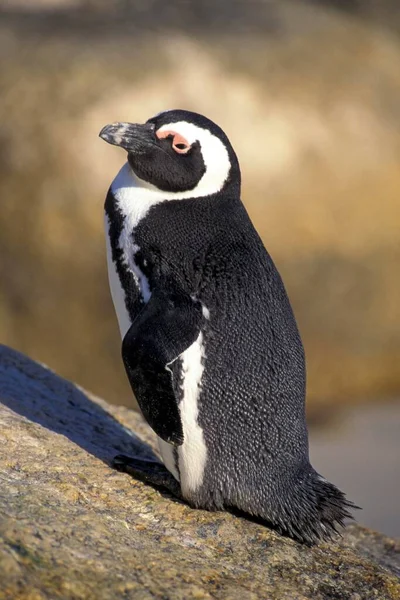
x,y
215,156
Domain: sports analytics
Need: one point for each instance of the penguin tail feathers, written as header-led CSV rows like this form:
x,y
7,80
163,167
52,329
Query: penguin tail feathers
x,y
318,511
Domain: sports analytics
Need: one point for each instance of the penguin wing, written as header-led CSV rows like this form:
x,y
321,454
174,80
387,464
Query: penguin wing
x,y
164,329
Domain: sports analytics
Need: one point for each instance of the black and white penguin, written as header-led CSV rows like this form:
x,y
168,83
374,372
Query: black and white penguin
x,y
210,343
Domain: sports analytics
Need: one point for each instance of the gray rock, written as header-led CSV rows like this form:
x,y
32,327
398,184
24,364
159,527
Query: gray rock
x,y
73,528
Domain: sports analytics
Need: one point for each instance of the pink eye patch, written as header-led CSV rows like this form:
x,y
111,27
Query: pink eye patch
x,y
179,143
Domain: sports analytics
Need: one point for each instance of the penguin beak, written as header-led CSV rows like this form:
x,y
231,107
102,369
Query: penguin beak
x,y
132,137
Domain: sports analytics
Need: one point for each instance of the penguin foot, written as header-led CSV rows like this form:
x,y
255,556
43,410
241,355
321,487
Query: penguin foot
x,y
149,471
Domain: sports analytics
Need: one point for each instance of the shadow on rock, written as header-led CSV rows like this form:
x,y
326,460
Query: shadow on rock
x,y
41,396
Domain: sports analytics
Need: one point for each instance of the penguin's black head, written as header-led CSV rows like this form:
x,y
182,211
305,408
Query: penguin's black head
x,y
180,152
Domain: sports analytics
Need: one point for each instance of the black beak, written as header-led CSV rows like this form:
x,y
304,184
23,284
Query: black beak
x,y
130,136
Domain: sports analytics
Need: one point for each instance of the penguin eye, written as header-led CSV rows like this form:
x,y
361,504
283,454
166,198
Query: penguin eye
x,y
179,143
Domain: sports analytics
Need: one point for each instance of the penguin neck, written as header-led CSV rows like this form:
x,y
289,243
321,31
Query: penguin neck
x,y
135,197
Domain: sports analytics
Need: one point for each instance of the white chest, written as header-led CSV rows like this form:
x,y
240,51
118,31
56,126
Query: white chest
x,y
133,204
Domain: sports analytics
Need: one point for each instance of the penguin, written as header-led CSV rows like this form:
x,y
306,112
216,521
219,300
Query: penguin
x,y
209,339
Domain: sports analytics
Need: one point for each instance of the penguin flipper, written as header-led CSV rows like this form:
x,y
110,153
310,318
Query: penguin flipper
x,y
164,329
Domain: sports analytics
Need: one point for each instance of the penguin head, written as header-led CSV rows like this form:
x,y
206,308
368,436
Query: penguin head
x,y
178,152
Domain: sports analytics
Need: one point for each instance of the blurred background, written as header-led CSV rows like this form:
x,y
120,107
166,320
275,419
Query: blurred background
x,y
309,94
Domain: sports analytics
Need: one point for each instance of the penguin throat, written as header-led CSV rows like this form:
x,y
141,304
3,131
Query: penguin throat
x,y
128,187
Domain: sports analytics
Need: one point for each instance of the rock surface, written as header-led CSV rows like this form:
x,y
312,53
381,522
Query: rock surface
x,y
73,528
319,88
